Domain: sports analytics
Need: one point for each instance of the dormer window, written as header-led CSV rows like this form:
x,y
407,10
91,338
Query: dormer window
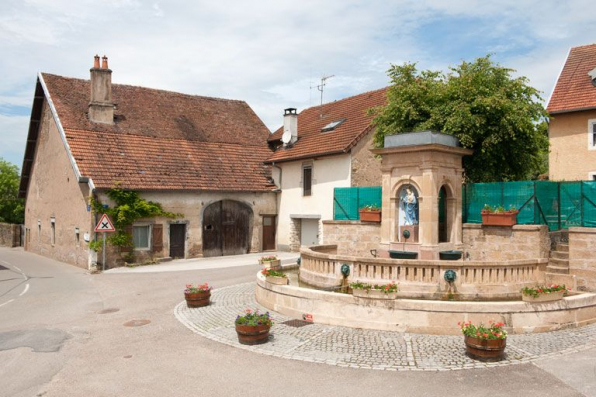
x,y
333,125
592,134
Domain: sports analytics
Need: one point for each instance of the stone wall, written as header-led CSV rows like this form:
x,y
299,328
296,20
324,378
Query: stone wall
x,y
10,235
366,168
582,260
494,243
56,203
352,238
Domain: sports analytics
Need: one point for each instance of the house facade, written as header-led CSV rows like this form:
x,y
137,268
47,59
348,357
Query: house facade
x,y
200,157
572,109
316,151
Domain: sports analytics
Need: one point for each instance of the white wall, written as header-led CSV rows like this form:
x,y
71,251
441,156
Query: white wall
x,y
328,173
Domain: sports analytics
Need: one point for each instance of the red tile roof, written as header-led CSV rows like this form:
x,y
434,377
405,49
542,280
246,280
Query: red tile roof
x,y
164,140
149,163
312,142
574,90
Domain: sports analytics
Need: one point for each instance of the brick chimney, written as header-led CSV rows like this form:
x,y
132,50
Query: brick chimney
x,y
101,106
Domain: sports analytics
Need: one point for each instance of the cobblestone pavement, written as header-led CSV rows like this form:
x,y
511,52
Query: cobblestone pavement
x,y
361,348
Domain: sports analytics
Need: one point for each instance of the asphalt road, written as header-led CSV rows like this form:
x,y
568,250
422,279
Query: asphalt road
x,y
55,341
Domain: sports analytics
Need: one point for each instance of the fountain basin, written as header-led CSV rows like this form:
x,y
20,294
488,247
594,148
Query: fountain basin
x,y
403,254
423,316
452,255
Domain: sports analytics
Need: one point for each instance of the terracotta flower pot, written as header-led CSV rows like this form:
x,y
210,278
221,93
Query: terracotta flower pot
x,y
252,334
499,218
541,298
198,299
277,280
485,349
374,294
370,216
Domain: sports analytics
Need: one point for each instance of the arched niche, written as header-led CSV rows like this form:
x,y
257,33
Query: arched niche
x,y
408,213
446,213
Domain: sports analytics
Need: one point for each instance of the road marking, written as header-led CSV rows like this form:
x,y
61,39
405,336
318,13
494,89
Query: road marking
x,y
6,303
25,290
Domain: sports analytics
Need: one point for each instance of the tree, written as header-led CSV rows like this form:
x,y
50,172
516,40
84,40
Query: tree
x,y
498,116
12,208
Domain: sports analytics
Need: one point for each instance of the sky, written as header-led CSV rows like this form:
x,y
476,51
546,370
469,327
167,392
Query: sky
x,y
272,54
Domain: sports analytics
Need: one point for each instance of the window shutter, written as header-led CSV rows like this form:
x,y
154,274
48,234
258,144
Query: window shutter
x,y
127,230
157,238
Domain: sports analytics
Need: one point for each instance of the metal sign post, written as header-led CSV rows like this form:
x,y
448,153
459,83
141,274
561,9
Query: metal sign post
x,y
103,253
104,225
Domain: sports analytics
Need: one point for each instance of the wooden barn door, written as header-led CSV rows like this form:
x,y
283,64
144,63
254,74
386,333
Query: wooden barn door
x,y
226,228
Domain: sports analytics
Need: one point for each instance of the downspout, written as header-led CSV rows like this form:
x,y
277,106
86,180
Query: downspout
x,y
280,173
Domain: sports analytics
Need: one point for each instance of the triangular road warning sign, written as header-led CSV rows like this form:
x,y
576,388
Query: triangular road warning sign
x,y
105,224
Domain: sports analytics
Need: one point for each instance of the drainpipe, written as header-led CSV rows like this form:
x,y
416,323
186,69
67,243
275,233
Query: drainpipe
x,y
280,173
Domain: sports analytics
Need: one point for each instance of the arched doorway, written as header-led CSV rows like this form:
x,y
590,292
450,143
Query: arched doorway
x,y
226,228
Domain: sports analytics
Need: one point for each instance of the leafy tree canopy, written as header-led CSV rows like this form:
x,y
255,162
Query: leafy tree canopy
x,y
497,115
12,208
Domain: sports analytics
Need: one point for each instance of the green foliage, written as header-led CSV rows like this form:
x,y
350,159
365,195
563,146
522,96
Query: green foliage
x,y
95,245
129,207
534,292
254,318
12,208
498,116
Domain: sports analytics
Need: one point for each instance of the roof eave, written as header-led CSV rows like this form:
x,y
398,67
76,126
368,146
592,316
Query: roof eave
x,y
306,156
571,110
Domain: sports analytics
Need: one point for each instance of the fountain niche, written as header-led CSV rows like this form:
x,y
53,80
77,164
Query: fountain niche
x,y
419,246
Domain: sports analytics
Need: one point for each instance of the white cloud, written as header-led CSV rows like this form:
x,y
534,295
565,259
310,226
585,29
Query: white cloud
x,y
269,52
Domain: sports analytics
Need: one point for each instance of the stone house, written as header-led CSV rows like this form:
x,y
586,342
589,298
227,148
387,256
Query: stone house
x,y
572,109
316,151
198,156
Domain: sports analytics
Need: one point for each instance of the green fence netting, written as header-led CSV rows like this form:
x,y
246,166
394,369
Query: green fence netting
x,y
559,205
348,200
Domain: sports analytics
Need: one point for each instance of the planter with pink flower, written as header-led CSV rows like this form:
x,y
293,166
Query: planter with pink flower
x,y
374,291
253,327
543,293
270,262
486,343
197,296
275,277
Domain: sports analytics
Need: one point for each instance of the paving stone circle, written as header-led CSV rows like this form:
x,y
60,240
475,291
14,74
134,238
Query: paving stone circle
x,y
362,348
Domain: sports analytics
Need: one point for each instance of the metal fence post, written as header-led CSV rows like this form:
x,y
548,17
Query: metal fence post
x,y
559,203
581,204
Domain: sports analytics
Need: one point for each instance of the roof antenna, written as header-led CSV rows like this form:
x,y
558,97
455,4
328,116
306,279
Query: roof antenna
x,y
321,87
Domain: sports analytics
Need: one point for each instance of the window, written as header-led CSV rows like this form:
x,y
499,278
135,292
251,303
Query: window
x,y
592,134
333,125
592,176
140,236
306,180
77,237
38,231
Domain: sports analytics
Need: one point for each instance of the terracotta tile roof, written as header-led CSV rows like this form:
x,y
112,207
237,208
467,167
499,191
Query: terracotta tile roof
x,y
312,142
574,89
149,163
161,114
164,140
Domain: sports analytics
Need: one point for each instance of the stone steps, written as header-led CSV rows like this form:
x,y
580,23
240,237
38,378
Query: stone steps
x,y
562,247
557,269
560,255
559,260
